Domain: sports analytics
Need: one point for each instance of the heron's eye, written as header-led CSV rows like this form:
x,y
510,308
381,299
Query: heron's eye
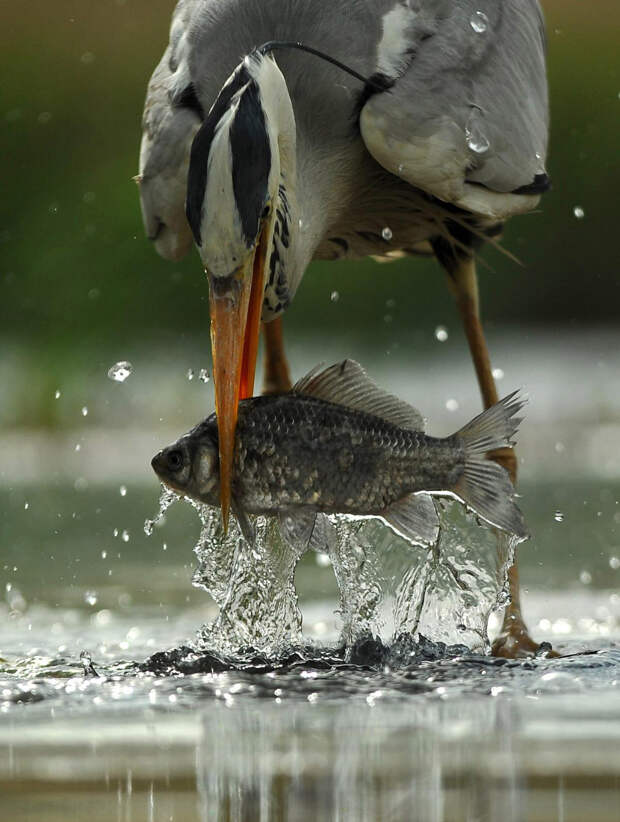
x,y
175,460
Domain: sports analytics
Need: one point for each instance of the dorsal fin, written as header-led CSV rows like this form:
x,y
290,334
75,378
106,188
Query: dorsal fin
x,y
346,383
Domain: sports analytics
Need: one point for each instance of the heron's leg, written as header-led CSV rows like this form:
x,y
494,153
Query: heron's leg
x,y
276,377
514,639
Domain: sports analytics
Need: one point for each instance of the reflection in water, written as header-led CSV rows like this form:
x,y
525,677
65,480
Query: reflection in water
x,y
409,763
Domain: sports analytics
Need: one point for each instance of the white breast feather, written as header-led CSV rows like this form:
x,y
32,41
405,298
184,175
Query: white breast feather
x,y
392,48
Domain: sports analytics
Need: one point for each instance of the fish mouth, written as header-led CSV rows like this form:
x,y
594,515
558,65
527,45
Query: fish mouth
x,y
236,303
161,466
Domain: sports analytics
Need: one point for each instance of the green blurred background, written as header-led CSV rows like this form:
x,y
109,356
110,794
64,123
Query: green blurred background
x,y
80,285
81,288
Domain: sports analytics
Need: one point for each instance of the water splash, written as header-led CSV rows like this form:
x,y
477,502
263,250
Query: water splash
x,y
448,593
166,498
356,564
252,585
387,587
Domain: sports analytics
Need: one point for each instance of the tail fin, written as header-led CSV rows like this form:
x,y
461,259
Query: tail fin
x,y
485,486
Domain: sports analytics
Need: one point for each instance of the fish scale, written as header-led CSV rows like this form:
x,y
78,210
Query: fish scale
x,y
360,464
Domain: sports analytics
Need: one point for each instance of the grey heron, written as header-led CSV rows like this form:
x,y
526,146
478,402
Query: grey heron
x,y
435,124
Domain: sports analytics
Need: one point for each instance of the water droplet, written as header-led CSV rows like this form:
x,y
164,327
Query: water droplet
x,y
334,296
57,394
585,577
81,484
84,411
87,58
323,560
559,448
441,333
44,117
452,405
614,563
190,374
388,318
477,140
53,209
400,168
123,490
498,374
120,371
78,447
579,212
203,375
558,516
386,233
479,22
90,597
88,197
104,554
26,506
115,532
125,536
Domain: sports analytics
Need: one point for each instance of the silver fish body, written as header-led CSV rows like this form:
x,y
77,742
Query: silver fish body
x,y
294,450
339,444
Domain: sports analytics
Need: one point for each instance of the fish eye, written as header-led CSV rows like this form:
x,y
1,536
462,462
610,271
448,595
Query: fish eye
x,y
175,460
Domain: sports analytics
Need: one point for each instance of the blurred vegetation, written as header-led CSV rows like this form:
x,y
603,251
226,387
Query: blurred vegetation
x,y
77,275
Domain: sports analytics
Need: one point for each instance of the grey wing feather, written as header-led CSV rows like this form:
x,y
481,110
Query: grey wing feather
x,y
453,82
167,134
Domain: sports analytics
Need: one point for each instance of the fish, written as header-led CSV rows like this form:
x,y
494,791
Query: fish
x,y
337,443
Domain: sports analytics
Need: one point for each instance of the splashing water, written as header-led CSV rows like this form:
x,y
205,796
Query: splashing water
x,y
388,588
357,566
252,585
449,592
166,498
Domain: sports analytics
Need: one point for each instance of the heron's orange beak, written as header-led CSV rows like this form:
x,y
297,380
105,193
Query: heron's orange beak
x,y
236,304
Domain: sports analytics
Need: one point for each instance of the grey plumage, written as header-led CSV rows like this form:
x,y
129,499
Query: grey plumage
x,y
410,141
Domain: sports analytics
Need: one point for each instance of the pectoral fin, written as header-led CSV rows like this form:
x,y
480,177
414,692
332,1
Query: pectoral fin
x,y
306,529
415,518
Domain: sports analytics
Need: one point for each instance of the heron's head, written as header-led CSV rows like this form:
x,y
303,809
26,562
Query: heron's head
x,y
239,188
